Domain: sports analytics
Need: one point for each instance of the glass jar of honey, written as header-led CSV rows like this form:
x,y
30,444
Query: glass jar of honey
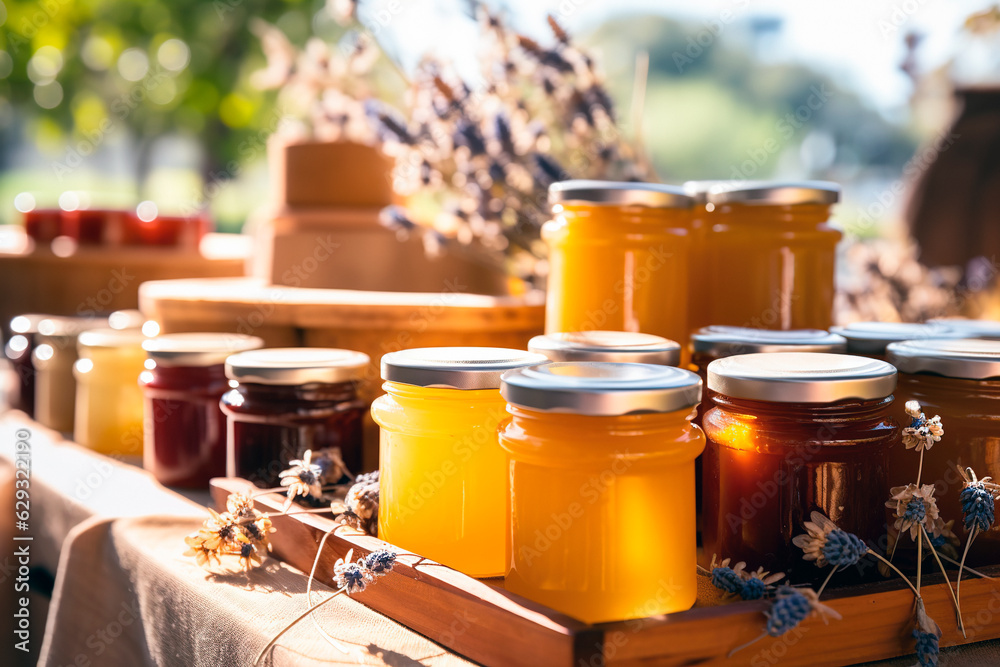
x,y
618,258
960,381
184,429
108,397
792,433
288,400
610,346
53,358
602,514
870,339
699,306
769,254
443,475
18,349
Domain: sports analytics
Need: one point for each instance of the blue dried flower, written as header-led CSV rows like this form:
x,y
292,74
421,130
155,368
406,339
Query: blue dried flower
x,y
843,549
789,609
753,589
978,506
916,511
353,578
726,579
927,648
380,561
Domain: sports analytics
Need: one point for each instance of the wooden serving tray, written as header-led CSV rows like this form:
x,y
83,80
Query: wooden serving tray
x,y
481,621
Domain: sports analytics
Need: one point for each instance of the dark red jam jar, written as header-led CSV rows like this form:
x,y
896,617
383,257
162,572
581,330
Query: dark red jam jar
x,y
288,400
20,345
184,429
793,433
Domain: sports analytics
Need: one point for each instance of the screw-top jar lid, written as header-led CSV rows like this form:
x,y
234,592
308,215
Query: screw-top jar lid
x,y
967,358
126,319
774,193
296,365
801,377
601,389
698,190
68,327
872,337
613,193
970,328
26,323
455,367
614,346
724,341
110,338
198,349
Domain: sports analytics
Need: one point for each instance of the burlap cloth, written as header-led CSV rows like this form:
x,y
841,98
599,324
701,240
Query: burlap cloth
x,y
124,595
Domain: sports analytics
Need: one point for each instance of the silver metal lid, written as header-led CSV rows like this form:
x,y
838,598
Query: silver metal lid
x,y
872,337
967,358
296,365
198,349
110,338
68,327
723,341
970,328
613,193
698,190
774,193
602,389
612,346
455,367
126,319
801,377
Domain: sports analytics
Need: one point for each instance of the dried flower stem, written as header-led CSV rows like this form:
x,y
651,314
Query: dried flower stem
x,y
745,644
979,574
283,489
920,468
290,625
958,581
309,583
316,510
961,625
894,569
826,581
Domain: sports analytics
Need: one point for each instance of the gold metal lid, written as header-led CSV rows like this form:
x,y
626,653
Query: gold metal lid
x,y
296,365
724,341
198,349
601,389
774,193
613,193
801,377
612,346
872,337
110,338
970,328
967,358
455,367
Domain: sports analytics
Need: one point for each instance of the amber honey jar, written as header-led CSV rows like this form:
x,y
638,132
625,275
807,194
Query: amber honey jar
x,y
288,400
611,346
789,434
52,358
959,380
769,254
618,258
602,512
870,339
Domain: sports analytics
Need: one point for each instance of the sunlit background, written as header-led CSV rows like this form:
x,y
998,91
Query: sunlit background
x,y
153,100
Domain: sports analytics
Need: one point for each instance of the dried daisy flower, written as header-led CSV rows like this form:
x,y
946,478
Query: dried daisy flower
x,y
914,507
362,503
922,432
303,478
241,531
352,577
248,553
825,543
737,580
240,506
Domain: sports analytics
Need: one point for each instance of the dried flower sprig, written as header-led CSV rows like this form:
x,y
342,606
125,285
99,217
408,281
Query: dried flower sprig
x,y
791,606
922,432
927,634
349,576
737,580
240,531
307,477
978,498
